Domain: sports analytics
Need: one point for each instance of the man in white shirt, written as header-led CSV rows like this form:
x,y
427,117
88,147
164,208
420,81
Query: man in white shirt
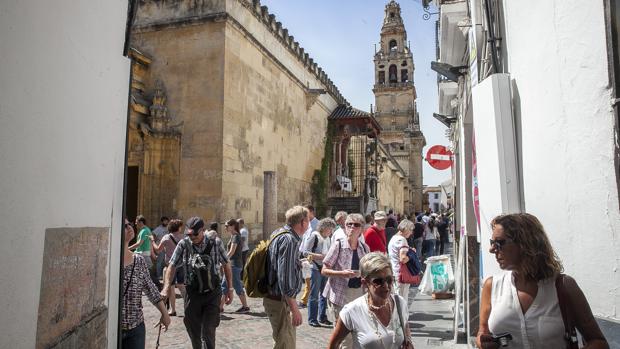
x,y
311,227
340,218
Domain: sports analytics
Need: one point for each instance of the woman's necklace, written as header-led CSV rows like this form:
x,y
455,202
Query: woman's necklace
x,y
376,320
374,307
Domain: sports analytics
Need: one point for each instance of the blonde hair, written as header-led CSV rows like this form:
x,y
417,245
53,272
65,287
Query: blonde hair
x,y
538,259
295,215
373,263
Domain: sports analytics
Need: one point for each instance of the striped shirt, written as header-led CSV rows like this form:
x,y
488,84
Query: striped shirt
x,y
182,253
284,276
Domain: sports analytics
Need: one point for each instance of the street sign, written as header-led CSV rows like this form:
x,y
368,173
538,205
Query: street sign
x,y
439,157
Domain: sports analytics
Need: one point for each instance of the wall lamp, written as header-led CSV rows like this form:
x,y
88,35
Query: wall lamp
x,y
450,72
445,119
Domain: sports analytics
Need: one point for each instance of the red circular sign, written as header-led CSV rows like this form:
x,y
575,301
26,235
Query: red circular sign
x,y
439,157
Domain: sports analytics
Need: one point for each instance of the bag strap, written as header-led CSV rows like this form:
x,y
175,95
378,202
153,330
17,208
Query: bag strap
x,y
570,334
133,267
173,239
400,317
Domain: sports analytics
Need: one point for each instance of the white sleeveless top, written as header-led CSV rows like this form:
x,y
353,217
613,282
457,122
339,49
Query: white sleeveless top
x,y
540,327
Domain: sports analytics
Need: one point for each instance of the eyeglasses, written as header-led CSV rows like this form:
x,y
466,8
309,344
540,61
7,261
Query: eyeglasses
x,y
351,225
498,244
193,233
382,281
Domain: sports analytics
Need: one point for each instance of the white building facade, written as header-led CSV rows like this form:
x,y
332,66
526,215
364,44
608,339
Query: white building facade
x,y
63,110
530,96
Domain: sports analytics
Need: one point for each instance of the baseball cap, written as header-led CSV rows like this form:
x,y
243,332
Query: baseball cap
x,y
379,215
194,224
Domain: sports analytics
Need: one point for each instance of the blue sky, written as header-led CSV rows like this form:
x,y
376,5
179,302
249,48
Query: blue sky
x,y
341,34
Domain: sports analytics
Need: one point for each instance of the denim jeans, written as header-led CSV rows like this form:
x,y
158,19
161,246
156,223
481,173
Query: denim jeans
x,y
429,248
237,283
134,338
317,304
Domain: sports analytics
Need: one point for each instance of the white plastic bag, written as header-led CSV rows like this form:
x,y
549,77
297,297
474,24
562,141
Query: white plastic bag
x,y
440,274
426,285
306,269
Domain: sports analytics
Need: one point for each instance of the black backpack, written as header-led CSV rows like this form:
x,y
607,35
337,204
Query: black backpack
x,y
203,276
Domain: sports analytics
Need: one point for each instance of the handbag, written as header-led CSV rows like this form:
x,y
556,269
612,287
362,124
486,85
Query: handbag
x,y
570,332
407,342
406,277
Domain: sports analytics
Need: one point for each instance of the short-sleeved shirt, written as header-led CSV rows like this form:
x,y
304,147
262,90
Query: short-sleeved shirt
x,y
309,243
160,232
245,236
145,246
235,259
375,239
169,242
355,316
396,244
339,257
182,253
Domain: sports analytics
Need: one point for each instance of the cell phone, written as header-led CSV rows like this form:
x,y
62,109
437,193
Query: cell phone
x,y
502,339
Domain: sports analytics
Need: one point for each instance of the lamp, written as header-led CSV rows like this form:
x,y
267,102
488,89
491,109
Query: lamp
x,y
450,72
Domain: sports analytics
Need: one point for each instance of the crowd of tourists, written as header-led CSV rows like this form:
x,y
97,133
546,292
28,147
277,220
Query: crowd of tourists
x,y
354,274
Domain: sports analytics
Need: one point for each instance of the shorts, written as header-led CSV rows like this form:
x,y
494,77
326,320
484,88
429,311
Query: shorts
x,y
237,284
178,278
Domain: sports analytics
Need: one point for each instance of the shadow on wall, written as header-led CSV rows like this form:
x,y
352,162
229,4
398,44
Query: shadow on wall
x,y
516,112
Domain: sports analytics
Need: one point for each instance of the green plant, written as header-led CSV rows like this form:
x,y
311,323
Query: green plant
x,y
320,178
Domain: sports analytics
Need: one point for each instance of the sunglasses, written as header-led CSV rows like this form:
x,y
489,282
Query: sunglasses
x,y
356,225
499,243
382,281
193,233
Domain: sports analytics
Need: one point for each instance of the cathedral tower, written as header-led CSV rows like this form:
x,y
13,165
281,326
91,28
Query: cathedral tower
x,y
396,109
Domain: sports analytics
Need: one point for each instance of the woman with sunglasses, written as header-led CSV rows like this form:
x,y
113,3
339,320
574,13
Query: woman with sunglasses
x,y
377,319
136,280
341,266
523,300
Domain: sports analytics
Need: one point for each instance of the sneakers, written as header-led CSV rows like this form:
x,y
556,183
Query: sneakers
x,y
314,324
300,305
325,322
242,310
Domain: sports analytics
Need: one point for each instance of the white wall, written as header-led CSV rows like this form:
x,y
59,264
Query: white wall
x,y
63,99
557,58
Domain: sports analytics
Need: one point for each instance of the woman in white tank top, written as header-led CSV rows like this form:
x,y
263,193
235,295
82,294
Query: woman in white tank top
x,y
522,300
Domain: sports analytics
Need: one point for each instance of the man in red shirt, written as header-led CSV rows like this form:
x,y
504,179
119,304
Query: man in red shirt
x,y
374,236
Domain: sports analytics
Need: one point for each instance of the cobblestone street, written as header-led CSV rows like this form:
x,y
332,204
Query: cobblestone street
x,y
430,321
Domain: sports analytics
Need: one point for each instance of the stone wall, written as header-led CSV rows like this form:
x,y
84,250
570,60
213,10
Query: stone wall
x,y
391,186
246,92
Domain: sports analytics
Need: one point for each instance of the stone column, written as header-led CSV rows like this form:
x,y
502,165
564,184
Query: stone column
x,y
270,203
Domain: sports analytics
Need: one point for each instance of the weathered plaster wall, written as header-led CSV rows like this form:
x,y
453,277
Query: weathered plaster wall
x,y
562,98
63,110
391,189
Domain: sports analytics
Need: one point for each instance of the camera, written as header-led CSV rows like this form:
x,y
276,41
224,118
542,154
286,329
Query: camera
x,y
502,339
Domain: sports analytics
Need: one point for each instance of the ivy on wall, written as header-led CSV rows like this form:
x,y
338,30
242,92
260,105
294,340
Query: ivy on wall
x,y
320,178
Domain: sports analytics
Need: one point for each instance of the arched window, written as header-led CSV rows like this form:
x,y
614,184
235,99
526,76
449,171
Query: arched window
x,y
392,45
404,75
382,77
393,71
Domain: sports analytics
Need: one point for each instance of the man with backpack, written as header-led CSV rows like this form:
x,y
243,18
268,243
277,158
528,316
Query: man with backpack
x,y
284,278
200,257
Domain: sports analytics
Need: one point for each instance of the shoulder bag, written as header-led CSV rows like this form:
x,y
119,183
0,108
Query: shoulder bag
x,y
407,342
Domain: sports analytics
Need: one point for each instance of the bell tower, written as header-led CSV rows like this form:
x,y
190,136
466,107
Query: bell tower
x,y
395,101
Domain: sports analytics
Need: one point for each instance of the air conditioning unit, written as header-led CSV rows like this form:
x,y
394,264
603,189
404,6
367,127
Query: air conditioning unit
x,y
345,183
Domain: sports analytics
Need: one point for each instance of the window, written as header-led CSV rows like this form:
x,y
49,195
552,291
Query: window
x,y
391,14
393,78
382,77
436,196
404,75
393,45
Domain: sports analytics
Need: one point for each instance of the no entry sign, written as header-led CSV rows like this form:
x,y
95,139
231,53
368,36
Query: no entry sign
x,y
439,157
